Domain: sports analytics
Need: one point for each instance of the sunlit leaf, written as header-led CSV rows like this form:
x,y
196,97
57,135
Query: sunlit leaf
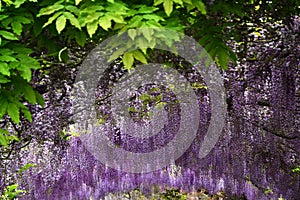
x,y
51,19
77,2
17,27
200,6
105,22
132,33
60,23
139,56
168,6
92,28
50,9
4,69
128,60
8,35
72,19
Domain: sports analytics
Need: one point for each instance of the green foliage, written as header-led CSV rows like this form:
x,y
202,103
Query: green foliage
x,y
28,27
11,192
296,170
25,168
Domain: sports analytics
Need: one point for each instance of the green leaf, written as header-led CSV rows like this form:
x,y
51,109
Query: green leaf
x,y
142,43
139,56
168,6
13,112
2,17
39,99
3,139
22,19
157,2
77,2
93,17
4,69
8,35
92,28
27,114
25,167
178,2
3,80
145,9
91,9
135,22
132,33
80,38
200,5
72,19
6,51
115,17
25,72
17,27
3,107
147,33
128,60
223,58
30,62
17,3
105,22
51,19
154,17
188,2
60,23
29,94
50,9
7,58
73,9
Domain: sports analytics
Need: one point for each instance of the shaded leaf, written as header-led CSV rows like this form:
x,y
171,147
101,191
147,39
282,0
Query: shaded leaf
x,y
29,94
3,106
27,114
80,38
39,99
13,112
3,139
